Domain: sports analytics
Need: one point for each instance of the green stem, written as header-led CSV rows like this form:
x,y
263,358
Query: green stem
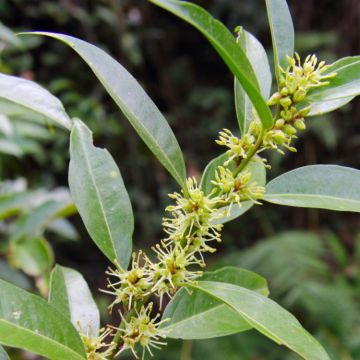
x,y
251,153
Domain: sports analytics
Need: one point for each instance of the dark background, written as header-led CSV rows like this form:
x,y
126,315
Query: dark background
x,y
190,84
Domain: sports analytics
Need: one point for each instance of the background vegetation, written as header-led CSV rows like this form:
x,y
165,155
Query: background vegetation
x,y
311,257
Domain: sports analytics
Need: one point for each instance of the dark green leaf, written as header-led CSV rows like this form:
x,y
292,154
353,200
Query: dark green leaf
x,y
225,44
100,196
29,322
329,187
139,109
70,294
267,317
196,315
282,32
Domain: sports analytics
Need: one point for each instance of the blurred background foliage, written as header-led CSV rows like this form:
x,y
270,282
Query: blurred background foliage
x,y
310,257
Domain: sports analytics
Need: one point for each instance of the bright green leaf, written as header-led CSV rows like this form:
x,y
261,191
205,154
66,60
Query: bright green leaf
x,y
342,88
282,33
267,317
70,294
329,187
139,109
24,95
225,44
196,315
100,196
260,63
29,322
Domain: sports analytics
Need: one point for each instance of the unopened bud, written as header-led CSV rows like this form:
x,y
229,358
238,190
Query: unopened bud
x,y
274,99
289,130
299,95
300,124
285,102
279,123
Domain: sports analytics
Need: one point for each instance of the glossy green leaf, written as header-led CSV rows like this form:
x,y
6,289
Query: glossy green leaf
x,y
100,196
225,44
342,88
139,109
32,255
282,33
29,322
196,315
258,171
260,63
25,95
3,354
267,317
70,294
329,187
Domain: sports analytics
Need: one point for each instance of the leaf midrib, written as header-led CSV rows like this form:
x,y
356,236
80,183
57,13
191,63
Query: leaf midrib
x,y
51,341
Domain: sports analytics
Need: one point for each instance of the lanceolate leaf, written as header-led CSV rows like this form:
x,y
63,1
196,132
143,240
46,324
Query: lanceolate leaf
x,y
267,317
260,63
342,88
258,171
197,315
24,95
317,186
70,294
29,322
100,196
139,109
225,44
282,32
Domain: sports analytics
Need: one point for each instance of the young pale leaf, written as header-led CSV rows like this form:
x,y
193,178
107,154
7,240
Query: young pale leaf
x,y
267,317
30,323
136,105
329,187
197,315
225,44
258,171
24,95
33,255
3,354
342,88
34,221
260,63
70,294
282,33
12,204
7,36
100,196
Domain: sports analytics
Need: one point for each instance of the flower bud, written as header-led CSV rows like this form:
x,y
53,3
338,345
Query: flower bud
x,y
299,95
274,99
285,102
300,124
279,123
289,130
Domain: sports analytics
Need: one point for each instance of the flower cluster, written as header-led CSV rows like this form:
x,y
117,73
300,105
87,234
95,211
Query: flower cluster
x,y
95,346
294,84
195,217
141,329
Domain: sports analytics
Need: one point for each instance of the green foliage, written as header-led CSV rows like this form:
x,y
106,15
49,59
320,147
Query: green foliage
x,y
196,315
99,193
203,305
317,186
